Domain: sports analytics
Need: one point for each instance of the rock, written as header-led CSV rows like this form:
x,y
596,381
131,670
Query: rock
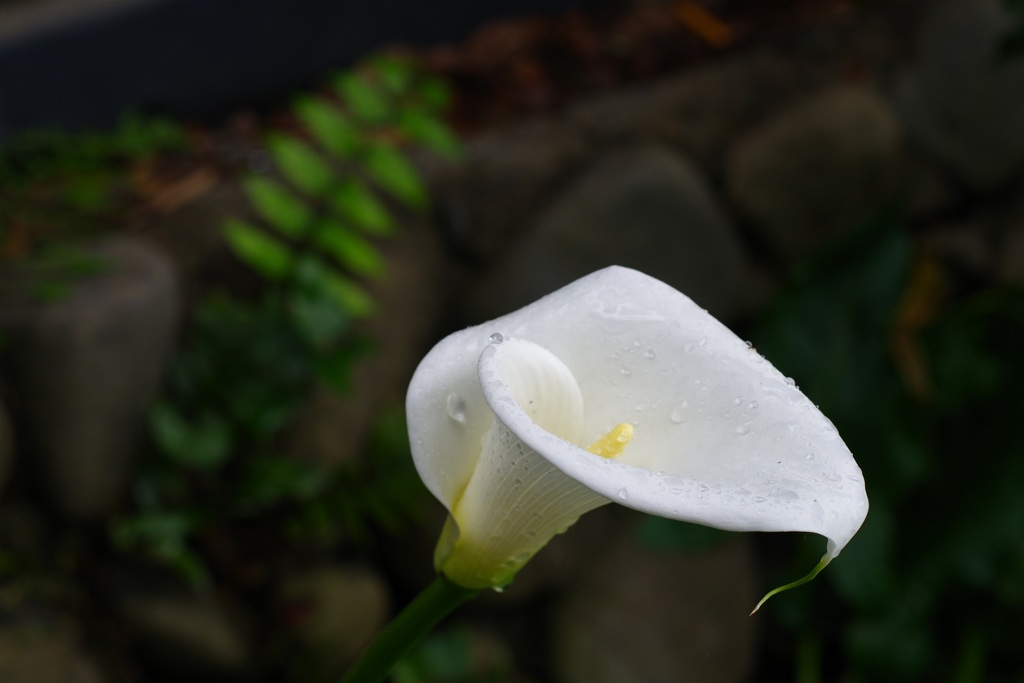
x,y
332,613
965,247
959,102
180,632
44,652
6,447
1010,267
505,177
639,614
817,169
642,207
83,364
700,110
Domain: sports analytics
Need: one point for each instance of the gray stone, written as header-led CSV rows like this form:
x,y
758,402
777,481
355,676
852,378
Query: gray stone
x,y
641,207
47,652
639,614
83,366
959,102
817,169
332,614
182,632
1010,265
701,109
507,175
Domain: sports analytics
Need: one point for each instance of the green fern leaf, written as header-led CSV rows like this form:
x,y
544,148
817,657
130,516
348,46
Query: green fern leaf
x,y
285,212
429,131
365,100
349,250
387,167
303,167
329,126
259,250
355,202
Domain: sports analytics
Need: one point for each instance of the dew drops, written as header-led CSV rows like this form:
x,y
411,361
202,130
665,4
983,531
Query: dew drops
x,y
678,414
702,489
650,354
456,407
622,494
810,456
790,382
738,400
752,405
743,429
496,338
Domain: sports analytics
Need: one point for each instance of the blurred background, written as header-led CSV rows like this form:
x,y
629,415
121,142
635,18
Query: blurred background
x,y
229,231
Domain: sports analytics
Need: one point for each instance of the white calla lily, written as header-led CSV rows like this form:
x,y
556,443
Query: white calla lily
x,y
617,388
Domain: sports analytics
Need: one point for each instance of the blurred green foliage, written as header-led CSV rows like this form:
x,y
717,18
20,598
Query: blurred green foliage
x,y
928,397
249,365
55,184
455,655
337,174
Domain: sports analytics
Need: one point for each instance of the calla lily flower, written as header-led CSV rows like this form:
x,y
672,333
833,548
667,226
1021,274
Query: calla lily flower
x,y
617,388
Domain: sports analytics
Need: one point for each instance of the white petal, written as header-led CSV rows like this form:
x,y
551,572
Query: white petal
x,y
516,500
721,437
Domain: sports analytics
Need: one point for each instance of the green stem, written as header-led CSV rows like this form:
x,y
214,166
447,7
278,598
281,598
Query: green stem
x,y
415,621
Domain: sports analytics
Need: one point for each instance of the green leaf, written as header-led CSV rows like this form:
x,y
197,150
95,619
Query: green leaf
x,y
357,203
317,318
349,250
331,128
349,295
318,278
434,93
300,164
271,480
395,73
285,212
429,131
335,368
365,100
203,443
392,171
259,250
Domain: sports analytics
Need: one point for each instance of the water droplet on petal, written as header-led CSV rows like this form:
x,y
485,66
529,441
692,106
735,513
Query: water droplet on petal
x,y
743,429
456,407
678,414
650,354
810,456
623,494
496,338
752,405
